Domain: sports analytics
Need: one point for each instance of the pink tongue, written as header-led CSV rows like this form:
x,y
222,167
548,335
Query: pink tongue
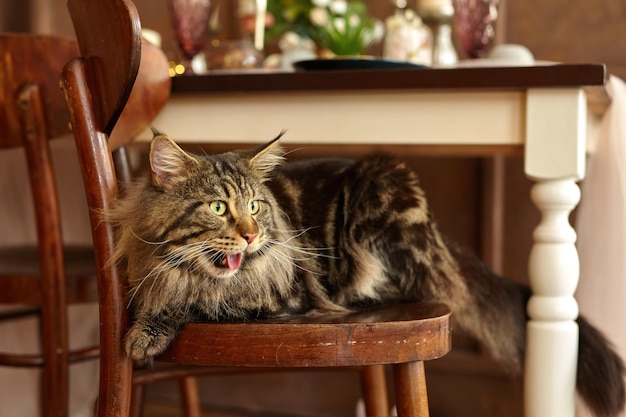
x,y
233,261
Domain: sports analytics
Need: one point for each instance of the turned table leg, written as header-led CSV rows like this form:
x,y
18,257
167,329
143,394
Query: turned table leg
x,y
555,150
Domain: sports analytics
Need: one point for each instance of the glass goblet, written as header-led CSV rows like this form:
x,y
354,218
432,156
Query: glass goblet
x,y
190,19
474,25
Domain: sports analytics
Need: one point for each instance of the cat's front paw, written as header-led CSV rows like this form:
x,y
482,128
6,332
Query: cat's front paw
x,y
143,342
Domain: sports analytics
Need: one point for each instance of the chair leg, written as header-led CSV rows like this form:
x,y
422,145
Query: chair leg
x,y
410,388
374,388
55,372
137,400
54,396
189,397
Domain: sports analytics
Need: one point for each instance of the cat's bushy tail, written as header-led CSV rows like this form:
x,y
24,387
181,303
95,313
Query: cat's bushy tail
x,y
600,378
425,265
499,306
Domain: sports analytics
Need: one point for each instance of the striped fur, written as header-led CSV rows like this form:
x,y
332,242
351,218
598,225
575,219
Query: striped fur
x,y
329,234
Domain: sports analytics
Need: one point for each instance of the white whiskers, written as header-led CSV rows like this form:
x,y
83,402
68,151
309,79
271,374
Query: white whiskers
x,y
175,259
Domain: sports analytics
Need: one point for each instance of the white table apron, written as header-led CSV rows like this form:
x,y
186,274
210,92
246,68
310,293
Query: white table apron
x,y
551,124
347,117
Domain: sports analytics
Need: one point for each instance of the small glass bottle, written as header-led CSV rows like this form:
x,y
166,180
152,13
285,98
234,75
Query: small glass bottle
x,y
406,37
444,52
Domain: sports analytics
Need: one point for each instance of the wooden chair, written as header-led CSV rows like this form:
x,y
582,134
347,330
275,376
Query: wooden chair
x,y
43,278
96,86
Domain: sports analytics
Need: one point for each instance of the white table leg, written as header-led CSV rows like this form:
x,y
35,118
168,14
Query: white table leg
x,y
555,139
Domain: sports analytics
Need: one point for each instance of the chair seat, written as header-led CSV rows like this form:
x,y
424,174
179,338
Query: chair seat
x,y
20,282
385,335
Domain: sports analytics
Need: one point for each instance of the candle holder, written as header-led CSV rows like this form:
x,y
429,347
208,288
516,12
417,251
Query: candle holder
x,y
438,16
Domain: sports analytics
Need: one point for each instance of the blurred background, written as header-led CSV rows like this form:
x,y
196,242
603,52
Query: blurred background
x,y
555,30
465,383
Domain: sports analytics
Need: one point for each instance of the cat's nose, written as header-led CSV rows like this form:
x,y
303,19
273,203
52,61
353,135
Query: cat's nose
x,y
249,237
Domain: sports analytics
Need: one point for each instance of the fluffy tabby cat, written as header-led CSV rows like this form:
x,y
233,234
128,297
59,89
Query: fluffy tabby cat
x,y
241,235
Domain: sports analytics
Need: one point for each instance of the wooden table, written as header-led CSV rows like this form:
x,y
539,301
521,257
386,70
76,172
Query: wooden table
x,y
540,111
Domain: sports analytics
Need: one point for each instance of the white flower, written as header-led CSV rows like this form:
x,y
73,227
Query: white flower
x,y
320,3
354,20
368,38
339,25
319,16
379,31
339,7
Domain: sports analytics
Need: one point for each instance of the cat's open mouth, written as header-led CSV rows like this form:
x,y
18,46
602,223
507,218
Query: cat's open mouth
x,y
232,262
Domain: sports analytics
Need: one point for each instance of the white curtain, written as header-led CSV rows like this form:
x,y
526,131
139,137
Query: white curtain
x,y
601,226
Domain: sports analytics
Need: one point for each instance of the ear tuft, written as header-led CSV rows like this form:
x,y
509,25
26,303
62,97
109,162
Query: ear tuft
x,y
267,157
170,165
156,132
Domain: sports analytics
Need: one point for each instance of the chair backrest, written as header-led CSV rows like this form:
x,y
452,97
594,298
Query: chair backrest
x,y
30,61
32,111
97,86
109,37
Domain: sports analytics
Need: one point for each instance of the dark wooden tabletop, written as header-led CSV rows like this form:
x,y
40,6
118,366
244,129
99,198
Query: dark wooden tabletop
x,y
470,78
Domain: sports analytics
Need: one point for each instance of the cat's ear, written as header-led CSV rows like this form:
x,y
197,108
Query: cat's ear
x,y
169,163
267,157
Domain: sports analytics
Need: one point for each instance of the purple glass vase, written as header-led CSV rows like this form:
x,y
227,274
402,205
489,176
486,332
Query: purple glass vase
x,y
190,19
474,25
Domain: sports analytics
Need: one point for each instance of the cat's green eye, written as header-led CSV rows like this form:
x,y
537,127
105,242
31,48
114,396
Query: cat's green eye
x,y
253,207
218,207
